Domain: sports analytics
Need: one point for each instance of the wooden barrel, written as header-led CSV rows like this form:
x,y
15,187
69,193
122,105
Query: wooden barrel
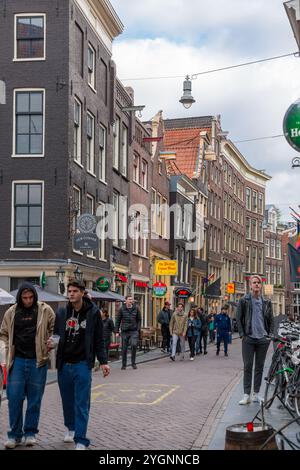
x,y
239,438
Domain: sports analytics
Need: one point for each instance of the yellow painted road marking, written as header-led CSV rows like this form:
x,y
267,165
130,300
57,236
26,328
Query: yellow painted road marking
x,y
139,394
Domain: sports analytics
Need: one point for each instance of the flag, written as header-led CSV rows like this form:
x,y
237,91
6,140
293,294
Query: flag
x,y
214,290
294,258
210,278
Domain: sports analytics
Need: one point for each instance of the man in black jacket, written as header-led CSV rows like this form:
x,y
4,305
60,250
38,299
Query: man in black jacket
x,y
255,321
164,318
129,318
80,328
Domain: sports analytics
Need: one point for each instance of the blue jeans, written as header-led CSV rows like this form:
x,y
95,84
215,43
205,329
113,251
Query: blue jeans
x,y
25,380
74,381
222,336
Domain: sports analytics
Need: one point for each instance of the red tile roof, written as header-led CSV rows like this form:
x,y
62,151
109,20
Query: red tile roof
x,y
185,142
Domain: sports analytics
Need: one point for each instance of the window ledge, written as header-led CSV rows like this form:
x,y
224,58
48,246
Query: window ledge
x,y
92,88
31,59
78,163
31,155
92,174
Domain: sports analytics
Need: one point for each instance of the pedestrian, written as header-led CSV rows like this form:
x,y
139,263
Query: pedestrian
x,y
223,329
203,316
164,318
80,328
193,331
211,328
129,320
178,328
255,321
108,329
25,330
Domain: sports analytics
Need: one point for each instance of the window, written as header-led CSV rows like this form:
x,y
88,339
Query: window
x,y
254,201
102,153
260,203
248,234
90,144
90,209
260,260
101,230
273,275
272,248
144,174
30,43
79,47
29,123
253,259
229,176
187,267
103,80
248,199
136,168
124,150
225,206
254,229
279,276
278,249
28,215
116,149
260,232
123,222
177,259
248,259
91,67
182,265
159,213
153,211
267,247
76,210
116,219
77,131
268,276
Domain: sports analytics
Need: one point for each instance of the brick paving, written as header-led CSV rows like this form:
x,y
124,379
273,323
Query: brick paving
x,y
161,405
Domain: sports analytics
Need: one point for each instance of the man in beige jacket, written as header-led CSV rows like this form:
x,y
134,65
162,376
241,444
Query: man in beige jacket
x,y
25,330
178,327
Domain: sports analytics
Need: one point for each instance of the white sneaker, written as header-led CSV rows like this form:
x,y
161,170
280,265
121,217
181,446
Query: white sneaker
x,y
80,446
256,398
30,441
191,359
12,443
245,400
69,436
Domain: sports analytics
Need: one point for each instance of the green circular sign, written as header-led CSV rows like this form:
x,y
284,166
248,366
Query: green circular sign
x,y
291,125
103,284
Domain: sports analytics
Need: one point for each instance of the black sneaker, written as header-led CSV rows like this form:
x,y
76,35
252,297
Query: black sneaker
x,y
123,368
217,353
205,352
226,354
134,366
172,358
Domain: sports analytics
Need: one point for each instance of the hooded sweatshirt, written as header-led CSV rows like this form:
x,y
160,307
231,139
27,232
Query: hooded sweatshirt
x,y
40,318
25,325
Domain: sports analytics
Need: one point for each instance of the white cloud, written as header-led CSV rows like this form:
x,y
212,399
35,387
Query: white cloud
x,y
251,100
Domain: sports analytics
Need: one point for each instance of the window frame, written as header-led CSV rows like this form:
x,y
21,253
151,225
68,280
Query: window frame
x,y
14,147
91,73
102,152
90,158
78,130
13,215
25,15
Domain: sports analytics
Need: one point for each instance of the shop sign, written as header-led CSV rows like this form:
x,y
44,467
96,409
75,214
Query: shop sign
x,y
183,293
230,288
166,267
103,284
291,125
159,289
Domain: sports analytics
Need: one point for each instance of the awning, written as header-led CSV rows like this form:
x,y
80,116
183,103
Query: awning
x,y
122,278
213,291
44,296
108,295
6,298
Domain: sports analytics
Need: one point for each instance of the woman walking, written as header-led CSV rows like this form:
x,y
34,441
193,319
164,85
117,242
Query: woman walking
x,y
193,331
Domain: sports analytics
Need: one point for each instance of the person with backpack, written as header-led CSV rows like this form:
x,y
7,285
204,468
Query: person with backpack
x,y
193,331
164,318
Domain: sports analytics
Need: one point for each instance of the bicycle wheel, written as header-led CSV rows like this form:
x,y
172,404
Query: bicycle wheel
x,y
273,380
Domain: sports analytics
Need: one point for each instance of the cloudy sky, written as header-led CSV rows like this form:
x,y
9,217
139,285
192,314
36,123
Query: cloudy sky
x,y
180,37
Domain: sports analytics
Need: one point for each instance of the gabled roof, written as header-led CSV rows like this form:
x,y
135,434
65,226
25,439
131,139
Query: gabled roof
x,y
191,122
185,142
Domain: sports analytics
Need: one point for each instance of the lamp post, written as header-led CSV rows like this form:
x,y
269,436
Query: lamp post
x,y
78,274
60,274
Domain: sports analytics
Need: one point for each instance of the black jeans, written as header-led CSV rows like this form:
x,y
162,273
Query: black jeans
x,y
129,338
203,336
166,337
192,340
250,348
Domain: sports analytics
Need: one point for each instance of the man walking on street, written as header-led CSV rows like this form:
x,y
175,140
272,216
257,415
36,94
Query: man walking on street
x,y
178,329
164,318
255,321
25,330
223,329
80,328
129,319
203,316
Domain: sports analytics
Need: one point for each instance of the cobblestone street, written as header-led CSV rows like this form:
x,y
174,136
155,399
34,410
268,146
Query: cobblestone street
x,y
161,405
